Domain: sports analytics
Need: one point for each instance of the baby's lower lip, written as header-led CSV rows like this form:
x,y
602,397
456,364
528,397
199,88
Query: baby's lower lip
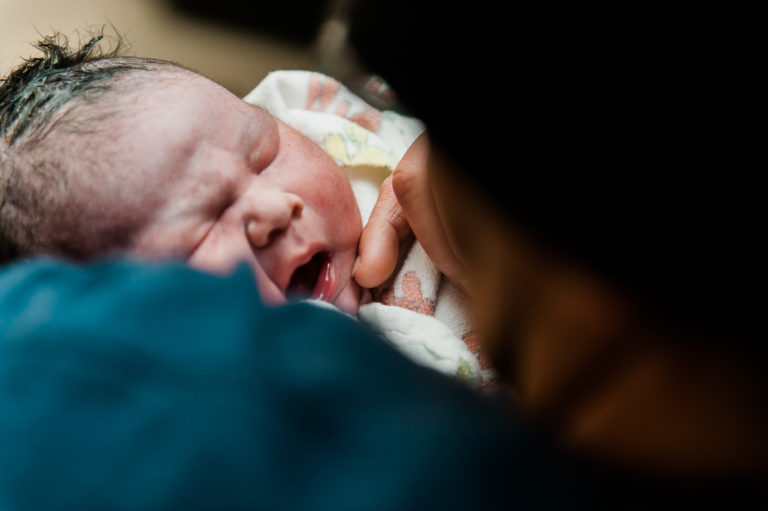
x,y
326,280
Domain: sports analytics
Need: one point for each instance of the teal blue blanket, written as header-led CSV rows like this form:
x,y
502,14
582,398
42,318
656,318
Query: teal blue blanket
x,y
129,386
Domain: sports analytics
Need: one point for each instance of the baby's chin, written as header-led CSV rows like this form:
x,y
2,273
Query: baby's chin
x,y
348,300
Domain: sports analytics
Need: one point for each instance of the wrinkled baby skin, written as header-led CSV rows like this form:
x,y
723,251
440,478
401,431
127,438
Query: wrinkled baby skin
x,y
228,184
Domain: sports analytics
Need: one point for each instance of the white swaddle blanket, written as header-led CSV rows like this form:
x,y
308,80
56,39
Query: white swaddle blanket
x,y
418,310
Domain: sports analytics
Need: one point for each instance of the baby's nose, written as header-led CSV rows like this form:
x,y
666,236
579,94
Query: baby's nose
x,y
271,214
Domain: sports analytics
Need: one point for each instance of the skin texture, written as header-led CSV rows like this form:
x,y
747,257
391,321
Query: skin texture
x,y
407,204
226,183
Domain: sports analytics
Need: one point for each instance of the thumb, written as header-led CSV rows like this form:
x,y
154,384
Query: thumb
x,y
380,239
415,197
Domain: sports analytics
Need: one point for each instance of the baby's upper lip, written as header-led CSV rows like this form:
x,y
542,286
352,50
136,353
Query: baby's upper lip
x,y
299,259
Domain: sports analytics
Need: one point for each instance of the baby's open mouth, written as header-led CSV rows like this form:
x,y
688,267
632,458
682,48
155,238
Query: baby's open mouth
x,y
313,279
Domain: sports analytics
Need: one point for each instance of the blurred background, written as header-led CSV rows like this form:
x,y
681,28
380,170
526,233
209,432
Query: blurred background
x,y
233,42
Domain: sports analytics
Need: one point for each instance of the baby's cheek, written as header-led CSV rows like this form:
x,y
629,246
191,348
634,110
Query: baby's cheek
x,y
347,211
349,298
213,255
217,258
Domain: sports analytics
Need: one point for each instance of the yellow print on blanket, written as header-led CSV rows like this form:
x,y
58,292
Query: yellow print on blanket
x,y
353,148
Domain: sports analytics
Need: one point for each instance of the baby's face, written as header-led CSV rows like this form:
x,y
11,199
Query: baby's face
x,y
229,184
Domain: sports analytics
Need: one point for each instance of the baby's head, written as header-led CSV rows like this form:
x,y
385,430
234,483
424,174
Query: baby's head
x,y
102,154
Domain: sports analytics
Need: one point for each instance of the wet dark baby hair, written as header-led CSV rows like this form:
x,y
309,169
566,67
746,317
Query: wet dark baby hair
x,y
53,109
42,85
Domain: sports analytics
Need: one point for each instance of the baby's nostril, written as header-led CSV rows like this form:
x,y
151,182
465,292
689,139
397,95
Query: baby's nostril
x,y
273,235
267,220
255,235
261,235
297,206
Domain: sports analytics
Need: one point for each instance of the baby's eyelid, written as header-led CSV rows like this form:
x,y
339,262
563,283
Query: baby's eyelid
x,y
260,156
255,162
253,165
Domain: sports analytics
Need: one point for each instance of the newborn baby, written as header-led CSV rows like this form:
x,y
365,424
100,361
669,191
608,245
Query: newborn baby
x,y
115,155
127,155
228,183
418,309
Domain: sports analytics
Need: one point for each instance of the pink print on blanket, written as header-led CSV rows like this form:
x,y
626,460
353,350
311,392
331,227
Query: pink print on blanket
x,y
419,286
324,96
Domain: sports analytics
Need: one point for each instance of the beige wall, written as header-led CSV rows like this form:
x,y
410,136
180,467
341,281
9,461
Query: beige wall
x,y
235,58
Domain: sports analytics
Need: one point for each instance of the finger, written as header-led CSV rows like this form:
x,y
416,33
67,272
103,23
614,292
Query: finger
x,y
380,240
414,194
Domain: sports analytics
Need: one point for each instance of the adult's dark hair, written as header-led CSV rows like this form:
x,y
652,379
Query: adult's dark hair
x,y
623,140
53,115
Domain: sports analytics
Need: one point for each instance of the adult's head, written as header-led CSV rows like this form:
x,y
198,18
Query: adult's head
x,y
599,173
106,154
629,147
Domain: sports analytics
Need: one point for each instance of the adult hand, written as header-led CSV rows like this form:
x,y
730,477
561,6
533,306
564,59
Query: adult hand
x,y
406,204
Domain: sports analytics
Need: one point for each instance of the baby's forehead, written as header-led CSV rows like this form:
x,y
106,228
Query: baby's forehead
x,y
179,124
159,92
169,109
174,125
133,137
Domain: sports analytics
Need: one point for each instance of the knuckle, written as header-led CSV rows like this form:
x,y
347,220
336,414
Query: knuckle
x,y
404,180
